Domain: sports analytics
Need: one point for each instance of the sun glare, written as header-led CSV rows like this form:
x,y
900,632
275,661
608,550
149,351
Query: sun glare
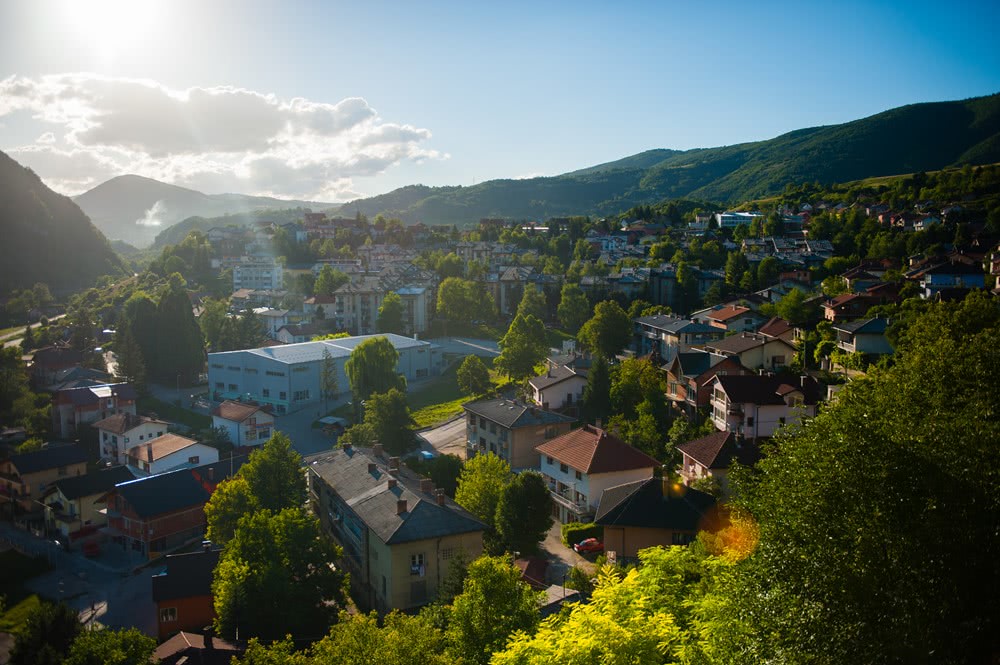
x,y
108,25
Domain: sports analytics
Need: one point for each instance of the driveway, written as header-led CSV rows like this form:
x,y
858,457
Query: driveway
x,y
561,558
447,439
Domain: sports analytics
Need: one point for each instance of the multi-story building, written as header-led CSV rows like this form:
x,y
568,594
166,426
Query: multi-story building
x,y
730,220
26,477
168,453
289,378
690,375
122,431
246,423
72,502
263,274
755,406
511,429
667,335
713,455
579,465
399,533
75,407
754,351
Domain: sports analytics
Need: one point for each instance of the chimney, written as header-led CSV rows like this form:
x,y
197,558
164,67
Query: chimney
x,y
392,483
427,485
439,497
377,450
401,506
393,465
372,467
597,423
211,474
209,645
348,448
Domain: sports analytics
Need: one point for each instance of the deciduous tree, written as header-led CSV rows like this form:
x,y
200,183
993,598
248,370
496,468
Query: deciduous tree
x,y
522,347
473,377
372,369
390,314
608,331
524,512
111,647
574,309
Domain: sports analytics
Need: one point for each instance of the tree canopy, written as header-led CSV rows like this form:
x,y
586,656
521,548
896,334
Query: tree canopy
x,y
390,314
608,331
372,369
522,347
473,377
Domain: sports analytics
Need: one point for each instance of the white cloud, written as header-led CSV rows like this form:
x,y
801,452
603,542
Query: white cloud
x,y
215,139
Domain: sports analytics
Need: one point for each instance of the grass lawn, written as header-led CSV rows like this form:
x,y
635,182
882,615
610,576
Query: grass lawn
x,y
437,400
167,411
15,569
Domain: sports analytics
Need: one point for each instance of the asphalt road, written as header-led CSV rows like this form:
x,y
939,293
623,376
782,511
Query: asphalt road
x,y
447,439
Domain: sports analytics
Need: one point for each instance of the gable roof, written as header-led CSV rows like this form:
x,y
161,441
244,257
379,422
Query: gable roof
x,y
161,446
185,642
644,503
93,483
186,575
556,375
237,411
48,458
511,413
124,422
719,449
94,394
730,312
757,389
174,490
366,489
744,342
675,324
592,450
873,326
775,327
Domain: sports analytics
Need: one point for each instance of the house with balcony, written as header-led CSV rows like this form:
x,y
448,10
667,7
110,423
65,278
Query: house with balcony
x,y
25,478
118,433
666,335
730,318
511,429
579,465
754,350
690,375
74,505
398,532
651,513
560,388
155,514
864,336
712,456
74,408
246,423
755,406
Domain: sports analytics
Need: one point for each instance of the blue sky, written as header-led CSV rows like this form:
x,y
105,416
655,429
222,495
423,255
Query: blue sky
x,y
450,92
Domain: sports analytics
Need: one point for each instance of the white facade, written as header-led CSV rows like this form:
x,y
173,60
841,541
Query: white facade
x,y
582,491
568,392
192,455
288,378
730,220
115,446
267,275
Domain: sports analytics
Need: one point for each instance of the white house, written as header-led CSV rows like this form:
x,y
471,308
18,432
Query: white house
x,y
559,388
247,424
581,464
288,378
168,453
273,319
118,433
755,406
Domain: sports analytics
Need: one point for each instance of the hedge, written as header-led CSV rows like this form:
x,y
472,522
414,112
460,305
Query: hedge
x,y
574,532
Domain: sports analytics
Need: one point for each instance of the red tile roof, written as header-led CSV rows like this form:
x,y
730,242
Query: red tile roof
x,y
592,450
727,312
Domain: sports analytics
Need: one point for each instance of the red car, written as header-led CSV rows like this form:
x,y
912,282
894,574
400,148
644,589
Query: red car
x,y
589,545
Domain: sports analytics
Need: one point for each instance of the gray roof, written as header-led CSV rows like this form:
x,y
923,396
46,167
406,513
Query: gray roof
x,y
873,326
644,503
554,375
95,482
369,495
304,352
511,413
675,324
48,458
744,342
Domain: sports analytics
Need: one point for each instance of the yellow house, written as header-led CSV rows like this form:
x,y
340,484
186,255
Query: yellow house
x,y
71,502
399,534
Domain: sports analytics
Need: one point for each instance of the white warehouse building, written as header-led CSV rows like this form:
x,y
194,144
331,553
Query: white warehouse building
x,y
288,377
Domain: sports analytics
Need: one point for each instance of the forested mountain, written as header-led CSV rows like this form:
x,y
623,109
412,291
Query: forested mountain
x,y
136,209
918,137
46,237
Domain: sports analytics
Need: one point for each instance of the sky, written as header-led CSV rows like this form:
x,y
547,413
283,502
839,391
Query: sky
x,y
330,101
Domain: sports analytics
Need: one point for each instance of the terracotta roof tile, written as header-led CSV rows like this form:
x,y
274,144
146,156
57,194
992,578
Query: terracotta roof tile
x,y
236,411
592,450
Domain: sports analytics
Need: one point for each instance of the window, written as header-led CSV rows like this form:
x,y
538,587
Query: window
x,y
234,387
417,564
251,435
493,428
503,434
300,395
482,421
301,368
563,468
160,433
193,459
282,395
549,460
749,421
114,438
421,372
266,392
219,385
264,433
270,373
448,553
168,614
216,366
682,538
579,476
233,368
105,435
249,370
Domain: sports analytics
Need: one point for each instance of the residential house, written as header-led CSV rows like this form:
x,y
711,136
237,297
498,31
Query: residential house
x,y
246,423
731,318
511,429
314,303
297,333
666,335
864,336
560,388
399,534
712,456
754,351
689,378
48,361
186,648
651,513
76,407
73,503
156,514
755,406
579,465
76,377
956,275
25,478
778,328
851,306
170,452
273,319
288,378
182,592
118,433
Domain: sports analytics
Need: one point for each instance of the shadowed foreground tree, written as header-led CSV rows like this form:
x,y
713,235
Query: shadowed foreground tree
x,y
46,636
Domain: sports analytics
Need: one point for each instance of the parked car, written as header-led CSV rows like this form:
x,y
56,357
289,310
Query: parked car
x,y
589,545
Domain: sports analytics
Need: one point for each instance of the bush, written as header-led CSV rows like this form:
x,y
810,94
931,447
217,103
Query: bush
x,y
574,532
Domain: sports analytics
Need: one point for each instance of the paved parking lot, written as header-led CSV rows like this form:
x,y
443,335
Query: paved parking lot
x,y
446,439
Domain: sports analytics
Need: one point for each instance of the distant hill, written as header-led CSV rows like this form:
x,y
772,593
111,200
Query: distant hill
x,y
46,237
918,137
135,209
173,235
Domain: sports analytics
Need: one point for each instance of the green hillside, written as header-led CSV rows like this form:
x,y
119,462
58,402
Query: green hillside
x,y
918,137
46,237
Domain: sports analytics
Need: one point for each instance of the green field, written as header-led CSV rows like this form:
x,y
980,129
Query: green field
x,y
437,400
15,569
